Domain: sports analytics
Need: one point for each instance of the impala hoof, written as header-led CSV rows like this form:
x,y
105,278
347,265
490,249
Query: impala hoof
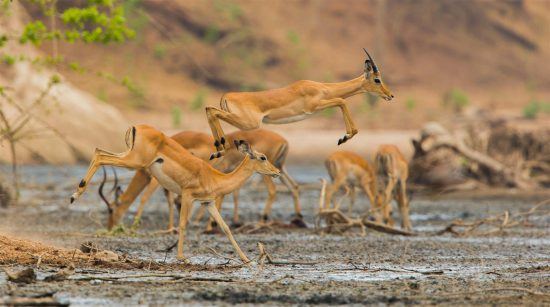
x,y
343,139
72,199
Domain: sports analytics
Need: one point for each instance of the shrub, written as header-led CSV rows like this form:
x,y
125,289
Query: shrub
x,y
160,51
456,100
198,101
410,104
176,116
534,107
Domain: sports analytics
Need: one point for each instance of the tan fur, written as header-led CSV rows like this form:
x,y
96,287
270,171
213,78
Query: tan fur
x,y
391,174
169,162
349,170
274,146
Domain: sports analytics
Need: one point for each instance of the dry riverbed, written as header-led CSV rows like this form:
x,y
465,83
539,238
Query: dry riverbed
x,y
510,267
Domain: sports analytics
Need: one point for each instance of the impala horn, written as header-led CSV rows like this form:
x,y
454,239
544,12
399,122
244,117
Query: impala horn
x,y
100,191
374,67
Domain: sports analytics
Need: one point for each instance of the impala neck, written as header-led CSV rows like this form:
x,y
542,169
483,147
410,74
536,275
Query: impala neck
x,y
347,88
229,182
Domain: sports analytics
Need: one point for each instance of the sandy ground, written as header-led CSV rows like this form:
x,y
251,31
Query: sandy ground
x,y
509,268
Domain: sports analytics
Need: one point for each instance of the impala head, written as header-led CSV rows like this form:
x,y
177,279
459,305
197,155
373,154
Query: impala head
x,y
373,79
258,160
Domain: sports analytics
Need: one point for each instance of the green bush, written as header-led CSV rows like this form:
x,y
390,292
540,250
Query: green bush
x,y
456,100
176,116
534,107
410,104
212,34
531,110
199,100
160,51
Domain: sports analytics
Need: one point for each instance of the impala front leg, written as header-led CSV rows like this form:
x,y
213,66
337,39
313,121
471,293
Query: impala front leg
x,y
246,120
351,130
218,218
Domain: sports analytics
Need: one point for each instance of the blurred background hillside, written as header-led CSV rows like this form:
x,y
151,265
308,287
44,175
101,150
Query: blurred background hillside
x,y
440,58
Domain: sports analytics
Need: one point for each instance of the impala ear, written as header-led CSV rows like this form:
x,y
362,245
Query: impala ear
x,y
368,68
245,148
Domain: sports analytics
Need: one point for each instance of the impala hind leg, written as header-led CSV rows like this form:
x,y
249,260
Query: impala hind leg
x,y
236,223
333,188
102,157
214,115
218,218
186,203
211,226
387,208
147,193
403,203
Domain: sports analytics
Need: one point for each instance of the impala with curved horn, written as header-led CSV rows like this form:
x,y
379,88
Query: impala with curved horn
x,y
180,172
299,100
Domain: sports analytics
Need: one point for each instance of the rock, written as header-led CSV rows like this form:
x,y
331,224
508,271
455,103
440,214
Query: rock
x,y
61,274
107,256
25,276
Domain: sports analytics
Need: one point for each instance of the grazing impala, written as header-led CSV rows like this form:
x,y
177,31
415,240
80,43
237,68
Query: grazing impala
x,y
180,172
274,146
350,170
391,181
247,110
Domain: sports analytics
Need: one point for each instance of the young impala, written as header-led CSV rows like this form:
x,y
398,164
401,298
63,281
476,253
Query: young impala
x,y
274,146
177,170
247,110
391,174
348,169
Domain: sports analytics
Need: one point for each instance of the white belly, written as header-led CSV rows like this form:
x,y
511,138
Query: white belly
x,y
286,120
164,180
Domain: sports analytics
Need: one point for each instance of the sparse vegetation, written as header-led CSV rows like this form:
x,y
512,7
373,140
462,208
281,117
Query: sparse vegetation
x,y
137,91
456,100
102,95
197,103
160,51
231,9
534,107
410,104
299,54
212,34
176,116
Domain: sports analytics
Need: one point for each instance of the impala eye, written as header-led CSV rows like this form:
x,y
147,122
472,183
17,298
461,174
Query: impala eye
x,y
263,158
377,81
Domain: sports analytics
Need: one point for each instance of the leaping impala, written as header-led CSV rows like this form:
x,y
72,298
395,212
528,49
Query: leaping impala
x,y
181,173
271,144
248,110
